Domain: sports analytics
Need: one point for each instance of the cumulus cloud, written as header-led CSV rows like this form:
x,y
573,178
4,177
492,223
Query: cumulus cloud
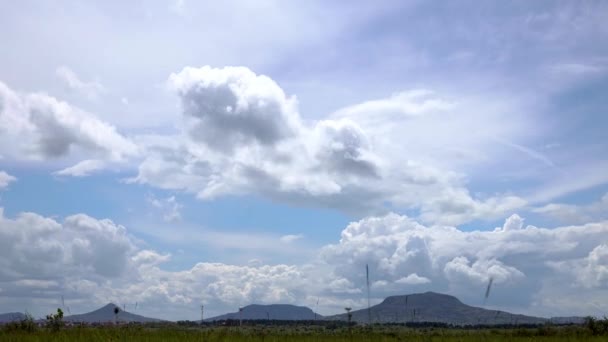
x,y
242,134
524,262
91,90
589,272
233,106
6,179
413,279
35,247
92,261
39,126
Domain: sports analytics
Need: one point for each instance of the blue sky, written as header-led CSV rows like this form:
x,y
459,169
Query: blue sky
x,y
174,153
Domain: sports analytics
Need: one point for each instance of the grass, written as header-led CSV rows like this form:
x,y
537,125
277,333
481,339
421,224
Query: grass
x,y
298,334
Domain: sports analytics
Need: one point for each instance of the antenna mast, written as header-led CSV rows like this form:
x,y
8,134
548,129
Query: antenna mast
x,y
369,311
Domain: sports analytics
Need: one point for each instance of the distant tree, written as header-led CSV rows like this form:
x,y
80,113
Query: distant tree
x,y
597,326
55,321
350,316
116,311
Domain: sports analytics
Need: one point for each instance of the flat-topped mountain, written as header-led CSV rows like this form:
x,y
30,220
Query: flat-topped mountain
x,y
11,317
274,312
106,314
434,307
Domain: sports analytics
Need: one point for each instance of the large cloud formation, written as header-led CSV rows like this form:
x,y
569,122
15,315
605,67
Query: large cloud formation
x,y
243,135
40,127
528,264
91,261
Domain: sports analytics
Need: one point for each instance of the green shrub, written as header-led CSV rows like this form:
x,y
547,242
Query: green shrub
x,y
25,325
54,322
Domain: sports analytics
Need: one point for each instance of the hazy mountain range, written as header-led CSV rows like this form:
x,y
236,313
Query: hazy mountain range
x,y
11,317
421,307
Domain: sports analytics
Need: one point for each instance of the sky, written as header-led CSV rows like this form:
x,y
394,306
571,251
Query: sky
x,y
164,155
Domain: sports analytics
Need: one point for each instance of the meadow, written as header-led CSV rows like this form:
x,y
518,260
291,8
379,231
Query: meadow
x,y
300,334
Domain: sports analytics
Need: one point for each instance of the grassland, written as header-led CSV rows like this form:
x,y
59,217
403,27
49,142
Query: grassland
x,y
298,334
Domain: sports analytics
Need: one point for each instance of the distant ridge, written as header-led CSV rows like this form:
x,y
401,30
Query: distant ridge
x,y
11,317
416,308
284,312
435,307
106,314
567,320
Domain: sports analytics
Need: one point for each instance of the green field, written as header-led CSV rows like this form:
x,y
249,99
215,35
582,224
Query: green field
x,y
303,334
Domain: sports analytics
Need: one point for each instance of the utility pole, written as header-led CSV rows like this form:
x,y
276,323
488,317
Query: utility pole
x,y
240,316
202,313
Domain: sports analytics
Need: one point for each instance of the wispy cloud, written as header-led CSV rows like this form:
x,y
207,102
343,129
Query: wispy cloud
x,y
170,208
91,90
527,151
291,238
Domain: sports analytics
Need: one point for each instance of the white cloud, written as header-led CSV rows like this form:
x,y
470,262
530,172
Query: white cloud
x,y
37,247
413,279
242,134
91,90
576,213
232,106
399,106
6,179
83,168
38,126
291,238
148,257
589,272
514,222
169,207
405,256
93,261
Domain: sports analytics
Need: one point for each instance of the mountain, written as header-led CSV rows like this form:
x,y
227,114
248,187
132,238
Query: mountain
x,y
11,317
567,320
106,314
284,312
434,307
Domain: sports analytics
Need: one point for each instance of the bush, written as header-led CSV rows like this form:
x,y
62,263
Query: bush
x,y
25,325
597,326
55,321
